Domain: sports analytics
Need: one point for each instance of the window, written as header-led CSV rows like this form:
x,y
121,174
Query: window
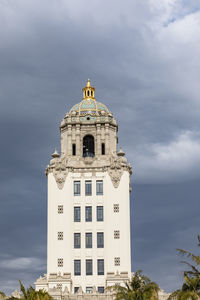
x,y
89,289
60,235
117,261
73,149
99,187
116,234
88,266
99,213
77,240
77,214
77,188
60,262
88,146
60,209
88,213
100,289
100,239
116,208
76,289
103,149
100,266
59,286
88,188
88,240
77,267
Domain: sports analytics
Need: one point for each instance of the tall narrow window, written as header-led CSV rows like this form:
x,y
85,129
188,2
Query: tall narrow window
x,y
88,266
99,187
77,267
77,240
88,240
88,213
73,149
99,213
88,188
100,266
77,214
88,146
77,188
100,240
103,149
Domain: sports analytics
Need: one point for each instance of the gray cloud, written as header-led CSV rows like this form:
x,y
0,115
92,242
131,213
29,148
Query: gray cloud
x,y
143,58
22,263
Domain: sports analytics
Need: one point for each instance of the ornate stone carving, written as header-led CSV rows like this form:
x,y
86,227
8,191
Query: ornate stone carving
x,y
115,171
117,167
60,172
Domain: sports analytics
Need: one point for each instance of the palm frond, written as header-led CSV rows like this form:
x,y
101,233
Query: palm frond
x,y
23,290
195,258
194,271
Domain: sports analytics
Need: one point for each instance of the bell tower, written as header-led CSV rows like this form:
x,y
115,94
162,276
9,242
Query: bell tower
x,y
88,203
88,124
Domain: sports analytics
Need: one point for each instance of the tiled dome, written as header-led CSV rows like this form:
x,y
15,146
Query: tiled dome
x,y
89,105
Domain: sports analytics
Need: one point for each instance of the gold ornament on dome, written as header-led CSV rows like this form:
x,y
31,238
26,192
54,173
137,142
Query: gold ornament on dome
x,y
88,91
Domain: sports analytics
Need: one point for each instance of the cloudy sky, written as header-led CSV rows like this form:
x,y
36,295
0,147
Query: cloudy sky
x,y
143,58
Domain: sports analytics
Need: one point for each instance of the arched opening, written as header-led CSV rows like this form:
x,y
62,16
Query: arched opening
x,y
88,146
88,93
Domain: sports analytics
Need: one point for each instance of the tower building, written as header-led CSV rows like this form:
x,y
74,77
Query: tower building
x,y
88,242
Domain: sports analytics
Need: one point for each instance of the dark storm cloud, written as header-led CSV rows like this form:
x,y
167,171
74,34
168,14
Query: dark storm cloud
x,y
143,58
170,213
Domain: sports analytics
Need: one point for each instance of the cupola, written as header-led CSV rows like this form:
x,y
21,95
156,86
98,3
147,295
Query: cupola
x,y
88,91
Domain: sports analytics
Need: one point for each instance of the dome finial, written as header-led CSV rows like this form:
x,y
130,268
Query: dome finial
x,y
88,91
88,83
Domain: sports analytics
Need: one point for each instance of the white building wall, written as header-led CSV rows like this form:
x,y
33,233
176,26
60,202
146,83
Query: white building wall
x,y
65,223
118,221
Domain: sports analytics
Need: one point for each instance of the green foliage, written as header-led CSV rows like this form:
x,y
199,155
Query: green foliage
x,y
195,258
139,288
31,294
2,294
191,287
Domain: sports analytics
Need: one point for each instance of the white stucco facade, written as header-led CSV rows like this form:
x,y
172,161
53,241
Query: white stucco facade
x,y
89,156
